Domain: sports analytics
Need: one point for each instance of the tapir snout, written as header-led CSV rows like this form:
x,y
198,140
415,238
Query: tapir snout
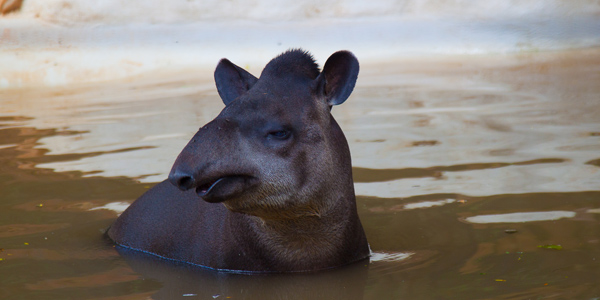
x,y
213,165
273,169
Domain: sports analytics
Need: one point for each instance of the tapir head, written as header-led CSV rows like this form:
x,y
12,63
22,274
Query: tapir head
x,y
275,150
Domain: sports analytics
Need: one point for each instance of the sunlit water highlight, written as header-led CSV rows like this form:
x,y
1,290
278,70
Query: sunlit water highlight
x,y
521,217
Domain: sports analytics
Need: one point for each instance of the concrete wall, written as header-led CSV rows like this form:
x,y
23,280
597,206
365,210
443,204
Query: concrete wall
x,y
57,42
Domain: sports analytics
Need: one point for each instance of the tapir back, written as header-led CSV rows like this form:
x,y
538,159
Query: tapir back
x,y
267,185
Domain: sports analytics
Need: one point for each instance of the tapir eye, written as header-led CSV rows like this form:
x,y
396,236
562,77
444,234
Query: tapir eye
x,y
280,134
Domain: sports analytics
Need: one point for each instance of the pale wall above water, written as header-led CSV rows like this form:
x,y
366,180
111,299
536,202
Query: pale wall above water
x,y
57,42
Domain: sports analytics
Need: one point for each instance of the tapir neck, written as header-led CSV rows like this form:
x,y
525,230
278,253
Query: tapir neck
x,y
313,242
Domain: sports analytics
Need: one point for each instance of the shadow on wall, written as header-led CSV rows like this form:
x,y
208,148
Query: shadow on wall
x,y
7,6
117,12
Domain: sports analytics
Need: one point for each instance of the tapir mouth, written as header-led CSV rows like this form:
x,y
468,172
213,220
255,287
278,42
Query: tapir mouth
x,y
204,189
222,188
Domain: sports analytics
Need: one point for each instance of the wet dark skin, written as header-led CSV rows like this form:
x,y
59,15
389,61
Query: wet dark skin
x,y
267,185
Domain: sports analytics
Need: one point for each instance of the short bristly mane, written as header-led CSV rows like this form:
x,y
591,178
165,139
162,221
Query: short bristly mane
x,y
293,61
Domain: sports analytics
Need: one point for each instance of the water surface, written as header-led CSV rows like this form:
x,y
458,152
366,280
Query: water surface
x,y
477,177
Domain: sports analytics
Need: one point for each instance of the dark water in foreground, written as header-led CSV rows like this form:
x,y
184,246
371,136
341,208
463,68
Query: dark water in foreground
x,y
477,178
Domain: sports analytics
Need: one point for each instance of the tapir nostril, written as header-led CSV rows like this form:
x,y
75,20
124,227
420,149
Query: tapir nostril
x,y
182,181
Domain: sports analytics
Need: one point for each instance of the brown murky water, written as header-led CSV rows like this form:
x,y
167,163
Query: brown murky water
x,y
477,177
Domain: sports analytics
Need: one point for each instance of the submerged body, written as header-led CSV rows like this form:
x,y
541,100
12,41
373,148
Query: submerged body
x,y
267,185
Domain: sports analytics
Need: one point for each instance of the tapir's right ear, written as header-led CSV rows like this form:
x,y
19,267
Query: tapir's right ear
x,y
337,80
232,81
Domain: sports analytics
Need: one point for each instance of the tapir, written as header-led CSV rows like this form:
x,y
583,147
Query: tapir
x,y
267,185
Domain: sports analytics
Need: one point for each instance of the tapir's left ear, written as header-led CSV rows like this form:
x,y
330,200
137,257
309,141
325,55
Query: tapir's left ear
x,y
338,77
232,81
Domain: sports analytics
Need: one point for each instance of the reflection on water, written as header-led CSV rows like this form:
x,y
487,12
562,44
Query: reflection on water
x,y
468,171
378,175
182,279
521,217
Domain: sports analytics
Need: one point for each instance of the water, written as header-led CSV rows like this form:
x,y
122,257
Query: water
x,y
477,177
